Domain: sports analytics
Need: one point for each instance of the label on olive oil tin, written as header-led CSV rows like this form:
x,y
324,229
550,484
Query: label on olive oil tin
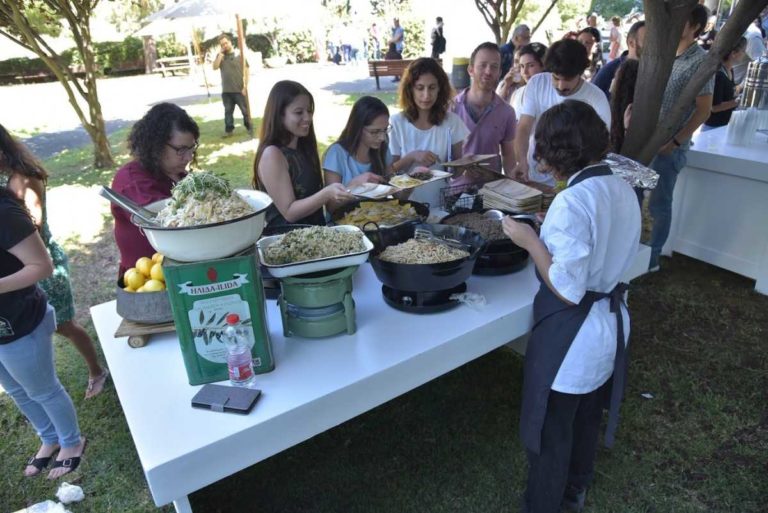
x,y
202,295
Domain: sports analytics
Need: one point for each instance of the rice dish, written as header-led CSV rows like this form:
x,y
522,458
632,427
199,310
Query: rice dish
x,y
489,229
415,251
202,198
313,243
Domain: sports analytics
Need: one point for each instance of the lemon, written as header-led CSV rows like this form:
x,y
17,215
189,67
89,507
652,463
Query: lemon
x,y
141,289
157,258
154,286
156,273
128,289
144,266
133,278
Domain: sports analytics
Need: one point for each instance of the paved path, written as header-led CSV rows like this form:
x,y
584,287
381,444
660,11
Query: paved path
x,y
43,110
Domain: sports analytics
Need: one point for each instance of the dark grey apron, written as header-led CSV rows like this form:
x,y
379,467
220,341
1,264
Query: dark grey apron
x,y
556,324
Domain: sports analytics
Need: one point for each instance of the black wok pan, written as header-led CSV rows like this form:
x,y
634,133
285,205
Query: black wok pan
x,y
424,277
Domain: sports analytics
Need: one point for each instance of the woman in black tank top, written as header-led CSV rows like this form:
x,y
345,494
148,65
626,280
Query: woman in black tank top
x,y
287,165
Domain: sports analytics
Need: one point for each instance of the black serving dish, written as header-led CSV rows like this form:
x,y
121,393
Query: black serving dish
x,y
422,210
424,277
500,256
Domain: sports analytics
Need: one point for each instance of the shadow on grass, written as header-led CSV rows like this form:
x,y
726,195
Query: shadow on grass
x,y
49,144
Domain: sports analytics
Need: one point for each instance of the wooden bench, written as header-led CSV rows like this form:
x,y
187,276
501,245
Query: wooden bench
x,y
171,65
389,68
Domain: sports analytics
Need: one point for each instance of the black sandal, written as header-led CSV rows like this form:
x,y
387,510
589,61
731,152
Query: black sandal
x,y
39,463
70,463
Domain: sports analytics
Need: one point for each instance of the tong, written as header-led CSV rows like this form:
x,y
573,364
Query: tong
x,y
423,234
118,199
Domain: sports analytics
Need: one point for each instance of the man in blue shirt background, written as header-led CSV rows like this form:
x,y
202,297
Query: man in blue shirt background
x,y
635,40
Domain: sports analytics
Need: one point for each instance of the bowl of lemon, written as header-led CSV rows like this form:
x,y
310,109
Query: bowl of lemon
x,y
141,294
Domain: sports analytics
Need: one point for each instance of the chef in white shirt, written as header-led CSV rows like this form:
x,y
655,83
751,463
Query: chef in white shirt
x,y
575,362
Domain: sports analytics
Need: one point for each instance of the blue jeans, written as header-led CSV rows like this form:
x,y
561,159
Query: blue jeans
x,y
660,204
28,375
230,100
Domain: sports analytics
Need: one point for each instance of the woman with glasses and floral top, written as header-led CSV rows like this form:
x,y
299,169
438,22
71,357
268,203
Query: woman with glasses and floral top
x,y
361,154
162,144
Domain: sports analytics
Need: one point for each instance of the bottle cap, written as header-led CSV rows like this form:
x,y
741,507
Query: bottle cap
x,y
233,319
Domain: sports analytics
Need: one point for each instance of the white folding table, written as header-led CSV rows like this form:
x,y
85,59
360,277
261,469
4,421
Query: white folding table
x,y
317,383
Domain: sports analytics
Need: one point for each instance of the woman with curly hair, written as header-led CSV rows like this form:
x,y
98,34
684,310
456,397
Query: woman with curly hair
x,y
425,132
162,143
575,364
23,175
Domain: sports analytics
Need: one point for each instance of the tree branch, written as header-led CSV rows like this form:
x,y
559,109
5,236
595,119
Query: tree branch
x,y
726,39
664,25
544,16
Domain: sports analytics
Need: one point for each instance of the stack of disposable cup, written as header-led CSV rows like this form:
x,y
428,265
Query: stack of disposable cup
x,y
742,126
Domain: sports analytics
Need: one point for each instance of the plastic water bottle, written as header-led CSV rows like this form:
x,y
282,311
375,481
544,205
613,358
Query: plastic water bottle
x,y
239,360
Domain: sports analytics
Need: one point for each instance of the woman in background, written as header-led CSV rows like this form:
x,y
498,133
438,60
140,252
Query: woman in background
x,y
615,38
163,144
287,166
530,62
622,93
424,132
361,154
24,176
27,322
724,100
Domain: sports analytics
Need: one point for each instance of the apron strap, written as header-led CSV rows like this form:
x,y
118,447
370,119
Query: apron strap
x,y
619,365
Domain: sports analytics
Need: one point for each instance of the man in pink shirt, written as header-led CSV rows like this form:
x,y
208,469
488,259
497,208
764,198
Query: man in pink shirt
x,y
490,120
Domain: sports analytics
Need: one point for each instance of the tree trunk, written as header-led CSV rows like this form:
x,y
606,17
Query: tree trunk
x,y
77,17
664,25
102,153
645,136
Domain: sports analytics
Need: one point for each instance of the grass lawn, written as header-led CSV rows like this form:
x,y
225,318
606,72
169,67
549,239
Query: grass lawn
x,y
699,444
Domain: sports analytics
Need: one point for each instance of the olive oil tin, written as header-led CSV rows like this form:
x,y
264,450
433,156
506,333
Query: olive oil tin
x,y
202,294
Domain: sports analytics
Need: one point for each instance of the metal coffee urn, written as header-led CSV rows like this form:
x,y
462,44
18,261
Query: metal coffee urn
x,y
755,92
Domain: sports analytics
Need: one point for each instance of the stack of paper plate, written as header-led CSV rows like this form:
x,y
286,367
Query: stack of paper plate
x,y
512,196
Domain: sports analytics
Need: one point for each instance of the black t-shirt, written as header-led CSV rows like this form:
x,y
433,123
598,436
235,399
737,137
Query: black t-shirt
x,y
21,310
724,91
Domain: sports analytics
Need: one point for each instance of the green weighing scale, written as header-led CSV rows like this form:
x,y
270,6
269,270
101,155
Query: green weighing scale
x,y
318,304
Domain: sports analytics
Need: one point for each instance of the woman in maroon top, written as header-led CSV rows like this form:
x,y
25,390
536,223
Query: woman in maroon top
x,y
162,144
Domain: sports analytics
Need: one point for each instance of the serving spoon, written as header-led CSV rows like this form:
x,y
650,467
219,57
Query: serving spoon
x,y
118,199
498,215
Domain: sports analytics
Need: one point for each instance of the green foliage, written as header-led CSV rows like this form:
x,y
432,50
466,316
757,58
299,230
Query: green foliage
x,y
298,47
127,16
24,66
117,55
40,17
608,8
571,11
168,46
414,38
259,43
110,57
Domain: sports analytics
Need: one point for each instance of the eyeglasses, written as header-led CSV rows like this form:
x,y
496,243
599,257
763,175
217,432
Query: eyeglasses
x,y
183,150
380,131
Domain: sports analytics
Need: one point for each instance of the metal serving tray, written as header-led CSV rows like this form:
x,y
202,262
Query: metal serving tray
x,y
313,266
